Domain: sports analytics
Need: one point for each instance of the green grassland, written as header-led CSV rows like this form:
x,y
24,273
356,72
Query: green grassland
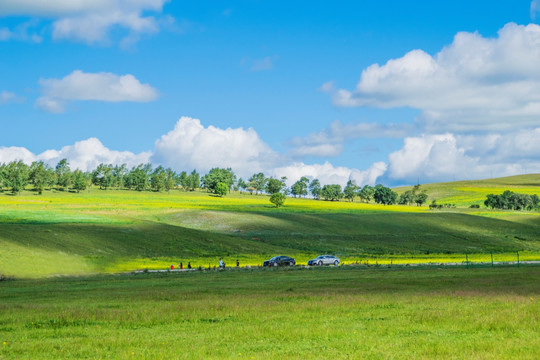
x,y
374,310
99,231
341,313
468,192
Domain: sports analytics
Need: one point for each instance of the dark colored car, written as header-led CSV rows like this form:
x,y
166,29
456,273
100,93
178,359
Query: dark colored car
x,y
281,260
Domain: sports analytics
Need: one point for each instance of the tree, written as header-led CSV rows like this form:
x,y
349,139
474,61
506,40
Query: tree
x,y
350,190
63,174
407,198
41,176
258,182
315,188
171,180
192,181
331,192
218,175
421,198
274,186
221,189
16,175
119,173
103,176
139,177
300,187
79,180
384,195
183,180
157,179
366,193
241,185
277,199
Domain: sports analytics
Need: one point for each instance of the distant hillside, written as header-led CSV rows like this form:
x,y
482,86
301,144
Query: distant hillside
x,y
468,192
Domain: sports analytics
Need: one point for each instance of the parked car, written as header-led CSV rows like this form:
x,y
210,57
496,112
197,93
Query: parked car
x,y
324,260
281,260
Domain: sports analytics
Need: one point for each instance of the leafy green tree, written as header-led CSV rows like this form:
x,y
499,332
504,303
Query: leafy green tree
x,y
350,190
16,175
384,195
120,172
421,198
157,179
218,175
278,199
183,180
315,188
171,180
274,185
41,176
139,177
331,192
300,188
79,180
258,182
407,198
221,189
193,181
103,176
366,193
241,185
63,174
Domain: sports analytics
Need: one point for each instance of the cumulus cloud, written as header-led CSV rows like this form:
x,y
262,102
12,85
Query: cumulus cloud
x,y
329,174
330,142
443,157
81,86
190,145
473,84
84,155
89,21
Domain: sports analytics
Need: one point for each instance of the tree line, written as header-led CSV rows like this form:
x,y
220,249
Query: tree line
x,y
16,176
509,200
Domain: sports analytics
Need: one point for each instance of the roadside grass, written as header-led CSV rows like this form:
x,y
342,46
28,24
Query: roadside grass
x,y
346,313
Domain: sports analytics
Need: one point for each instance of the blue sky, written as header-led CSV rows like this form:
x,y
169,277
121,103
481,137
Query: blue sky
x,y
393,92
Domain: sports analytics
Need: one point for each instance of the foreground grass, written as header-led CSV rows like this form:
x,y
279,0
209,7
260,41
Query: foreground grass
x,y
488,313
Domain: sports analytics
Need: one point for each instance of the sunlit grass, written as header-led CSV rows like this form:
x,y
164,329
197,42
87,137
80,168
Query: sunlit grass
x,y
479,313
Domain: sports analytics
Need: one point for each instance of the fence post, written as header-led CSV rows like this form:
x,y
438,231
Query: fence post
x,y
491,258
517,252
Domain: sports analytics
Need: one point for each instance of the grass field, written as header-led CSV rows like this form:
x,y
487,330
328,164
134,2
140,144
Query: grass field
x,y
342,313
113,231
347,312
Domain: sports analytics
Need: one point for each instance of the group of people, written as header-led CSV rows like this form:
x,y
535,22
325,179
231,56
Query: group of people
x,y
221,265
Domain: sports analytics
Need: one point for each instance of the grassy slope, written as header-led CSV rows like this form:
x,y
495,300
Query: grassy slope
x,y
118,230
344,313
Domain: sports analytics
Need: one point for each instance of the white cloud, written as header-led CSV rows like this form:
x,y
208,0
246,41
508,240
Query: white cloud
x,y
329,174
89,21
475,83
81,86
21,32
445,157
85,155
190,145
9,97
330,141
